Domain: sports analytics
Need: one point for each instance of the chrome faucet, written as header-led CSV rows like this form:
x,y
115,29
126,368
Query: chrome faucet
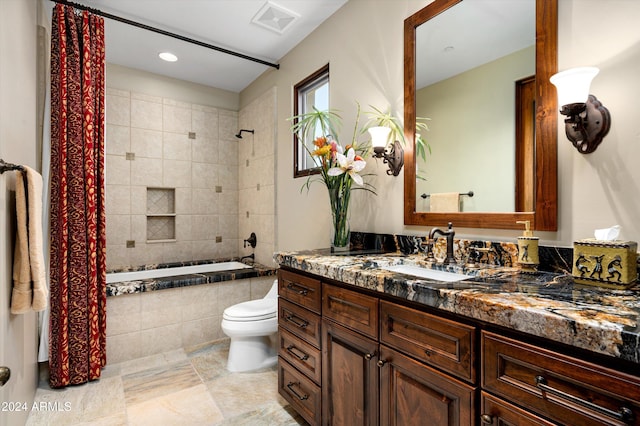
x,y
449,234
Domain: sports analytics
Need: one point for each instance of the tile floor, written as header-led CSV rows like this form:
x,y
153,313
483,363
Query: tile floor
x,y
182,387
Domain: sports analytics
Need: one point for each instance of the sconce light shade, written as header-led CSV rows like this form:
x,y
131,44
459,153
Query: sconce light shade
x,y
588,121
395,157
379,136
573,85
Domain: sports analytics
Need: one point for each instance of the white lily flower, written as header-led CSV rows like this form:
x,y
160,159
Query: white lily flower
x,y
348,164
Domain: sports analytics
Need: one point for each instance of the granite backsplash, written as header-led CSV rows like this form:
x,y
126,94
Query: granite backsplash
x,y
552,259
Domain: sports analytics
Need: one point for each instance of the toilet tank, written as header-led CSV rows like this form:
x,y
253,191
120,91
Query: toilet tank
x,y
273,292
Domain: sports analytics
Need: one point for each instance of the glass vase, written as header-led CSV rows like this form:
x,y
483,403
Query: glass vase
x,y
339,198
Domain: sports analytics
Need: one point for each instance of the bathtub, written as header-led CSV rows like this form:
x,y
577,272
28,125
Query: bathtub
x,y
116,277
173,276
186,313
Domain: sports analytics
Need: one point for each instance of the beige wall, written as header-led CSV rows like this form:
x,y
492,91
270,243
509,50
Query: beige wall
x,y
363,43
256,176
202,172
18,333
133,80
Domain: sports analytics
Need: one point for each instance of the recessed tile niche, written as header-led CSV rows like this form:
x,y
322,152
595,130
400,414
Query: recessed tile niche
x,y
161,214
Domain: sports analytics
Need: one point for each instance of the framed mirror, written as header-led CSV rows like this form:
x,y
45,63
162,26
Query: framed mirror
x,y
528,175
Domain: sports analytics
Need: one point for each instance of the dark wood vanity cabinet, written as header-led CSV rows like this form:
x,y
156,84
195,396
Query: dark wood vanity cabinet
x,y
299,336
562,388
369,376
350,357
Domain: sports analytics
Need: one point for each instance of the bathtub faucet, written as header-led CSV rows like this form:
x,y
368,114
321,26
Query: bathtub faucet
x,y
252,240
251,256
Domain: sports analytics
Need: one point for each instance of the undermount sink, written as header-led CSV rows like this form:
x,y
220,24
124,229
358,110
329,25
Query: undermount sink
x,y
431,274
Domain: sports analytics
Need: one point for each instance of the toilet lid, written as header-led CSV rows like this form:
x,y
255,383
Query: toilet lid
x,y
253,310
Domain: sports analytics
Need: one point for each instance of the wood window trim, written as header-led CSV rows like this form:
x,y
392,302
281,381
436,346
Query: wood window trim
x,y
296,143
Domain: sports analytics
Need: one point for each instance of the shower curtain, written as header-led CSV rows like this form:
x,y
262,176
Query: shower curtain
x,y
77,218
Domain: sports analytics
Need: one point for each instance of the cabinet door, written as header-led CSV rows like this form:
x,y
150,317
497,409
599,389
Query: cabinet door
x,y
500,413
411,393
349,377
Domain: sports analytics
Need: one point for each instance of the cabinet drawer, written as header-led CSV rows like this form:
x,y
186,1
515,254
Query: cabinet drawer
x,y
300,354
299,321
565,389
495,411
446,344
354,310
299,289
302,393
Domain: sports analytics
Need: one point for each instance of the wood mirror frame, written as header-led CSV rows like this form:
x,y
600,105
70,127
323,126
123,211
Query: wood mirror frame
x,y
544,217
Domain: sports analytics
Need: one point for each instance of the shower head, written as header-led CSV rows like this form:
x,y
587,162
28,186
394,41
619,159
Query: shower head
x,y
239,135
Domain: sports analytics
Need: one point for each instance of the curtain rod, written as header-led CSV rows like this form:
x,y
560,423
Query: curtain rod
x,y
165,33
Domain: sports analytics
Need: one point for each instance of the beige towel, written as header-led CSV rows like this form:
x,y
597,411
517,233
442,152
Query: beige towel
x,y
445,202
29,282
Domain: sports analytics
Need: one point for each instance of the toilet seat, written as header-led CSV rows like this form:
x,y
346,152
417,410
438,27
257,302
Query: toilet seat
x,y
253,310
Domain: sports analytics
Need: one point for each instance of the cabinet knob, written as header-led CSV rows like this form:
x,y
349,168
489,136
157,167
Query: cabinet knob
x,y
369,356
486,419
381,362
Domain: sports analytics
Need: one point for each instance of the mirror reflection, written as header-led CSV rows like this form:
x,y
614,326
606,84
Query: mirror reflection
x,y
475,74
534,197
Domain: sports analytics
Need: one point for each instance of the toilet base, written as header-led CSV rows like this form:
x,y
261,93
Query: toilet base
x,y
251,353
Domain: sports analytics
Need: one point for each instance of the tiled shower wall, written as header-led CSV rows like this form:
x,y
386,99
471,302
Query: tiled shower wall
x,y
256,176
148,144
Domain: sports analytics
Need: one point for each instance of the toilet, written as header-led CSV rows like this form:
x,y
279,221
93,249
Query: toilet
x,y
252,326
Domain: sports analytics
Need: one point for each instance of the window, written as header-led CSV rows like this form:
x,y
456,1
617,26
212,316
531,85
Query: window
x,y
311,92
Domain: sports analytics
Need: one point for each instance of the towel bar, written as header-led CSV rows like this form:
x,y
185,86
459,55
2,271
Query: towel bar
x,y
5,167
469,194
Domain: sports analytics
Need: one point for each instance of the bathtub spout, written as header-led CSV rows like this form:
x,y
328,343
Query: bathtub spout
x,y
251,256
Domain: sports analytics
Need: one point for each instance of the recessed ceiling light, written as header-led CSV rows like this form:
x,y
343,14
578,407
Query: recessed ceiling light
x,y
167,56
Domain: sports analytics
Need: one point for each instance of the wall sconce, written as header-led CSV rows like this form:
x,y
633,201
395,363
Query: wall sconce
x,y
587,121
395,157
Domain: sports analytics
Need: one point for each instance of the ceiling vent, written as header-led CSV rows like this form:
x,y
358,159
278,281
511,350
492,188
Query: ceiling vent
x,y
274,17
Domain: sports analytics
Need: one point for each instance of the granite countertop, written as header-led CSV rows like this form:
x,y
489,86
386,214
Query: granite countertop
x,y
544,304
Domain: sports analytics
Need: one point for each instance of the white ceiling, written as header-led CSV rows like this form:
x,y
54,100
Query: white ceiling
x,y
223,23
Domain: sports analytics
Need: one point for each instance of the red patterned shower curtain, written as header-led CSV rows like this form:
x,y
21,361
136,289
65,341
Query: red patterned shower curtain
x,y
77,253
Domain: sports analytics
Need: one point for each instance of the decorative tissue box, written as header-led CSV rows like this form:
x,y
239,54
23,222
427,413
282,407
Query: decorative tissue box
x,y
605,263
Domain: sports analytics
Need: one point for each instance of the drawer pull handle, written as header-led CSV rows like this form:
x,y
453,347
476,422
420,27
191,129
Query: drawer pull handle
x,y
297,321
290,385
624,414
302,357
298,289
486,419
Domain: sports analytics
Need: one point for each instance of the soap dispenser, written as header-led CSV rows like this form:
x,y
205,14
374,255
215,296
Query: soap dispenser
x,y
528,249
